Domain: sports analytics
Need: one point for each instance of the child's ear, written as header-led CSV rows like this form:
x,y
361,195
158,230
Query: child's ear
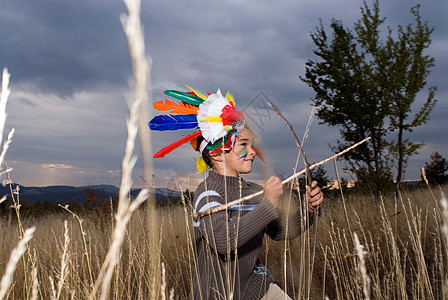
x,y
217,157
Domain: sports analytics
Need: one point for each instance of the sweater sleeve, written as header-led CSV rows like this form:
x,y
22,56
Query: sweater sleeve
x,y
225,234
290,226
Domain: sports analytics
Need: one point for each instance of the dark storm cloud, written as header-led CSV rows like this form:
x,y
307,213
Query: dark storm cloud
x,y
70,68
64,46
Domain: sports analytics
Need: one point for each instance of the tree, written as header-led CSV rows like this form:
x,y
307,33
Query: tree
x,y
365,85
436,170
408,76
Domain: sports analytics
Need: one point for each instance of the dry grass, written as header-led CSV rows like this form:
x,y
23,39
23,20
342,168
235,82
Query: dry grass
x,y
404,254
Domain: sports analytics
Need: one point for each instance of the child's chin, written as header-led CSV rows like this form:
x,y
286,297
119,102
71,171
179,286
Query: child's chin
x,y
247,171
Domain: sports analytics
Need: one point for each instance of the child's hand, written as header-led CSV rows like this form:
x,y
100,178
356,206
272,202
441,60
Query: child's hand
x,y
314,196
273,190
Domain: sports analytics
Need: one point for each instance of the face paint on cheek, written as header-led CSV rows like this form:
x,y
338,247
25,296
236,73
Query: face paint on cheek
x,y
242,153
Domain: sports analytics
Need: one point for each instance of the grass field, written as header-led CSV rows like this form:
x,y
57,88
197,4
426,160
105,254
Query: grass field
x,y
404,253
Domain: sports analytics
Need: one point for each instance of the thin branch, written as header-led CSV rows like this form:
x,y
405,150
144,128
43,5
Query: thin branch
x,y
302,153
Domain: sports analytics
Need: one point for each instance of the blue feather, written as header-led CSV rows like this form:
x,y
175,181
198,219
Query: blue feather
x,y
173,122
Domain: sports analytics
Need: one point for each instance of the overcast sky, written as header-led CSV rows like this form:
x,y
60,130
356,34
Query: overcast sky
x,y
70,70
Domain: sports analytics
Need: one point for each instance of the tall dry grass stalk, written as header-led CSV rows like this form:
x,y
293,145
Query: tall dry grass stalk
x,y
142,73
125,207
35,284
138,106
16,254
4,99
63,273
427,183
444,205
84,241
34,279
5,147
5,92
362,267
25,235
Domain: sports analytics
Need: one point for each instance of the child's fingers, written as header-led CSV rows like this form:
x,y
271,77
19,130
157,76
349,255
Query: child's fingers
x,y
317,200
315,196
273,189
314,189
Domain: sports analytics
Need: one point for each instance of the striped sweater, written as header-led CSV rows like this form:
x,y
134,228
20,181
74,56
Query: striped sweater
x,y
228,243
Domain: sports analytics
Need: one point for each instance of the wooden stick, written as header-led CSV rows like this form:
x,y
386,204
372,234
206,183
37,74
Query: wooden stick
x,y
238,201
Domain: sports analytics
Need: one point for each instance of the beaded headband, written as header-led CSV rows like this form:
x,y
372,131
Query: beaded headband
x,y
215,115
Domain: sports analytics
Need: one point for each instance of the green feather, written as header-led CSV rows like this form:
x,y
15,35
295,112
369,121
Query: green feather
x,y
221,141
188,98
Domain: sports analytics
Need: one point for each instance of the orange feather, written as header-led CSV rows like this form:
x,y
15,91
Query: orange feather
x,y
177,108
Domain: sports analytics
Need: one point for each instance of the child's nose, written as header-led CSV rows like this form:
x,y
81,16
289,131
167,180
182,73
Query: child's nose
x,y
251,151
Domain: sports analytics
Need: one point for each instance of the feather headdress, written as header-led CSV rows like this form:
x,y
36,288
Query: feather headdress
x,y
214,115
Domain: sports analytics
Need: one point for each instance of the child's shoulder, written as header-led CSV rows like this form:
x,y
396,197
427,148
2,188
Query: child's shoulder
x,y
207,185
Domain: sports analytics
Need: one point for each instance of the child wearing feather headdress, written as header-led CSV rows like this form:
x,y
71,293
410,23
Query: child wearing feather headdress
x,y
228,243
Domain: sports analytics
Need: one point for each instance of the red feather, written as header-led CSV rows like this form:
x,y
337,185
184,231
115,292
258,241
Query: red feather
x,y
165,150
259,154
230,115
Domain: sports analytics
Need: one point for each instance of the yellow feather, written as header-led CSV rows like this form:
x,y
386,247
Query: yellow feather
x,y
230,98
197,93
201,165
210,119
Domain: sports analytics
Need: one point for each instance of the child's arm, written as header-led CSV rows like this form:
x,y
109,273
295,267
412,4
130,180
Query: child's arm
x,y
294,223
273,190
225,235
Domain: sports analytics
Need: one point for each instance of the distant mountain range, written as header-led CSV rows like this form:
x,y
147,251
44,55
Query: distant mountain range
x,y
71,194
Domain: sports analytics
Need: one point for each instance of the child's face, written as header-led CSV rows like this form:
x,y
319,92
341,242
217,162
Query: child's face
x,y
239,160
